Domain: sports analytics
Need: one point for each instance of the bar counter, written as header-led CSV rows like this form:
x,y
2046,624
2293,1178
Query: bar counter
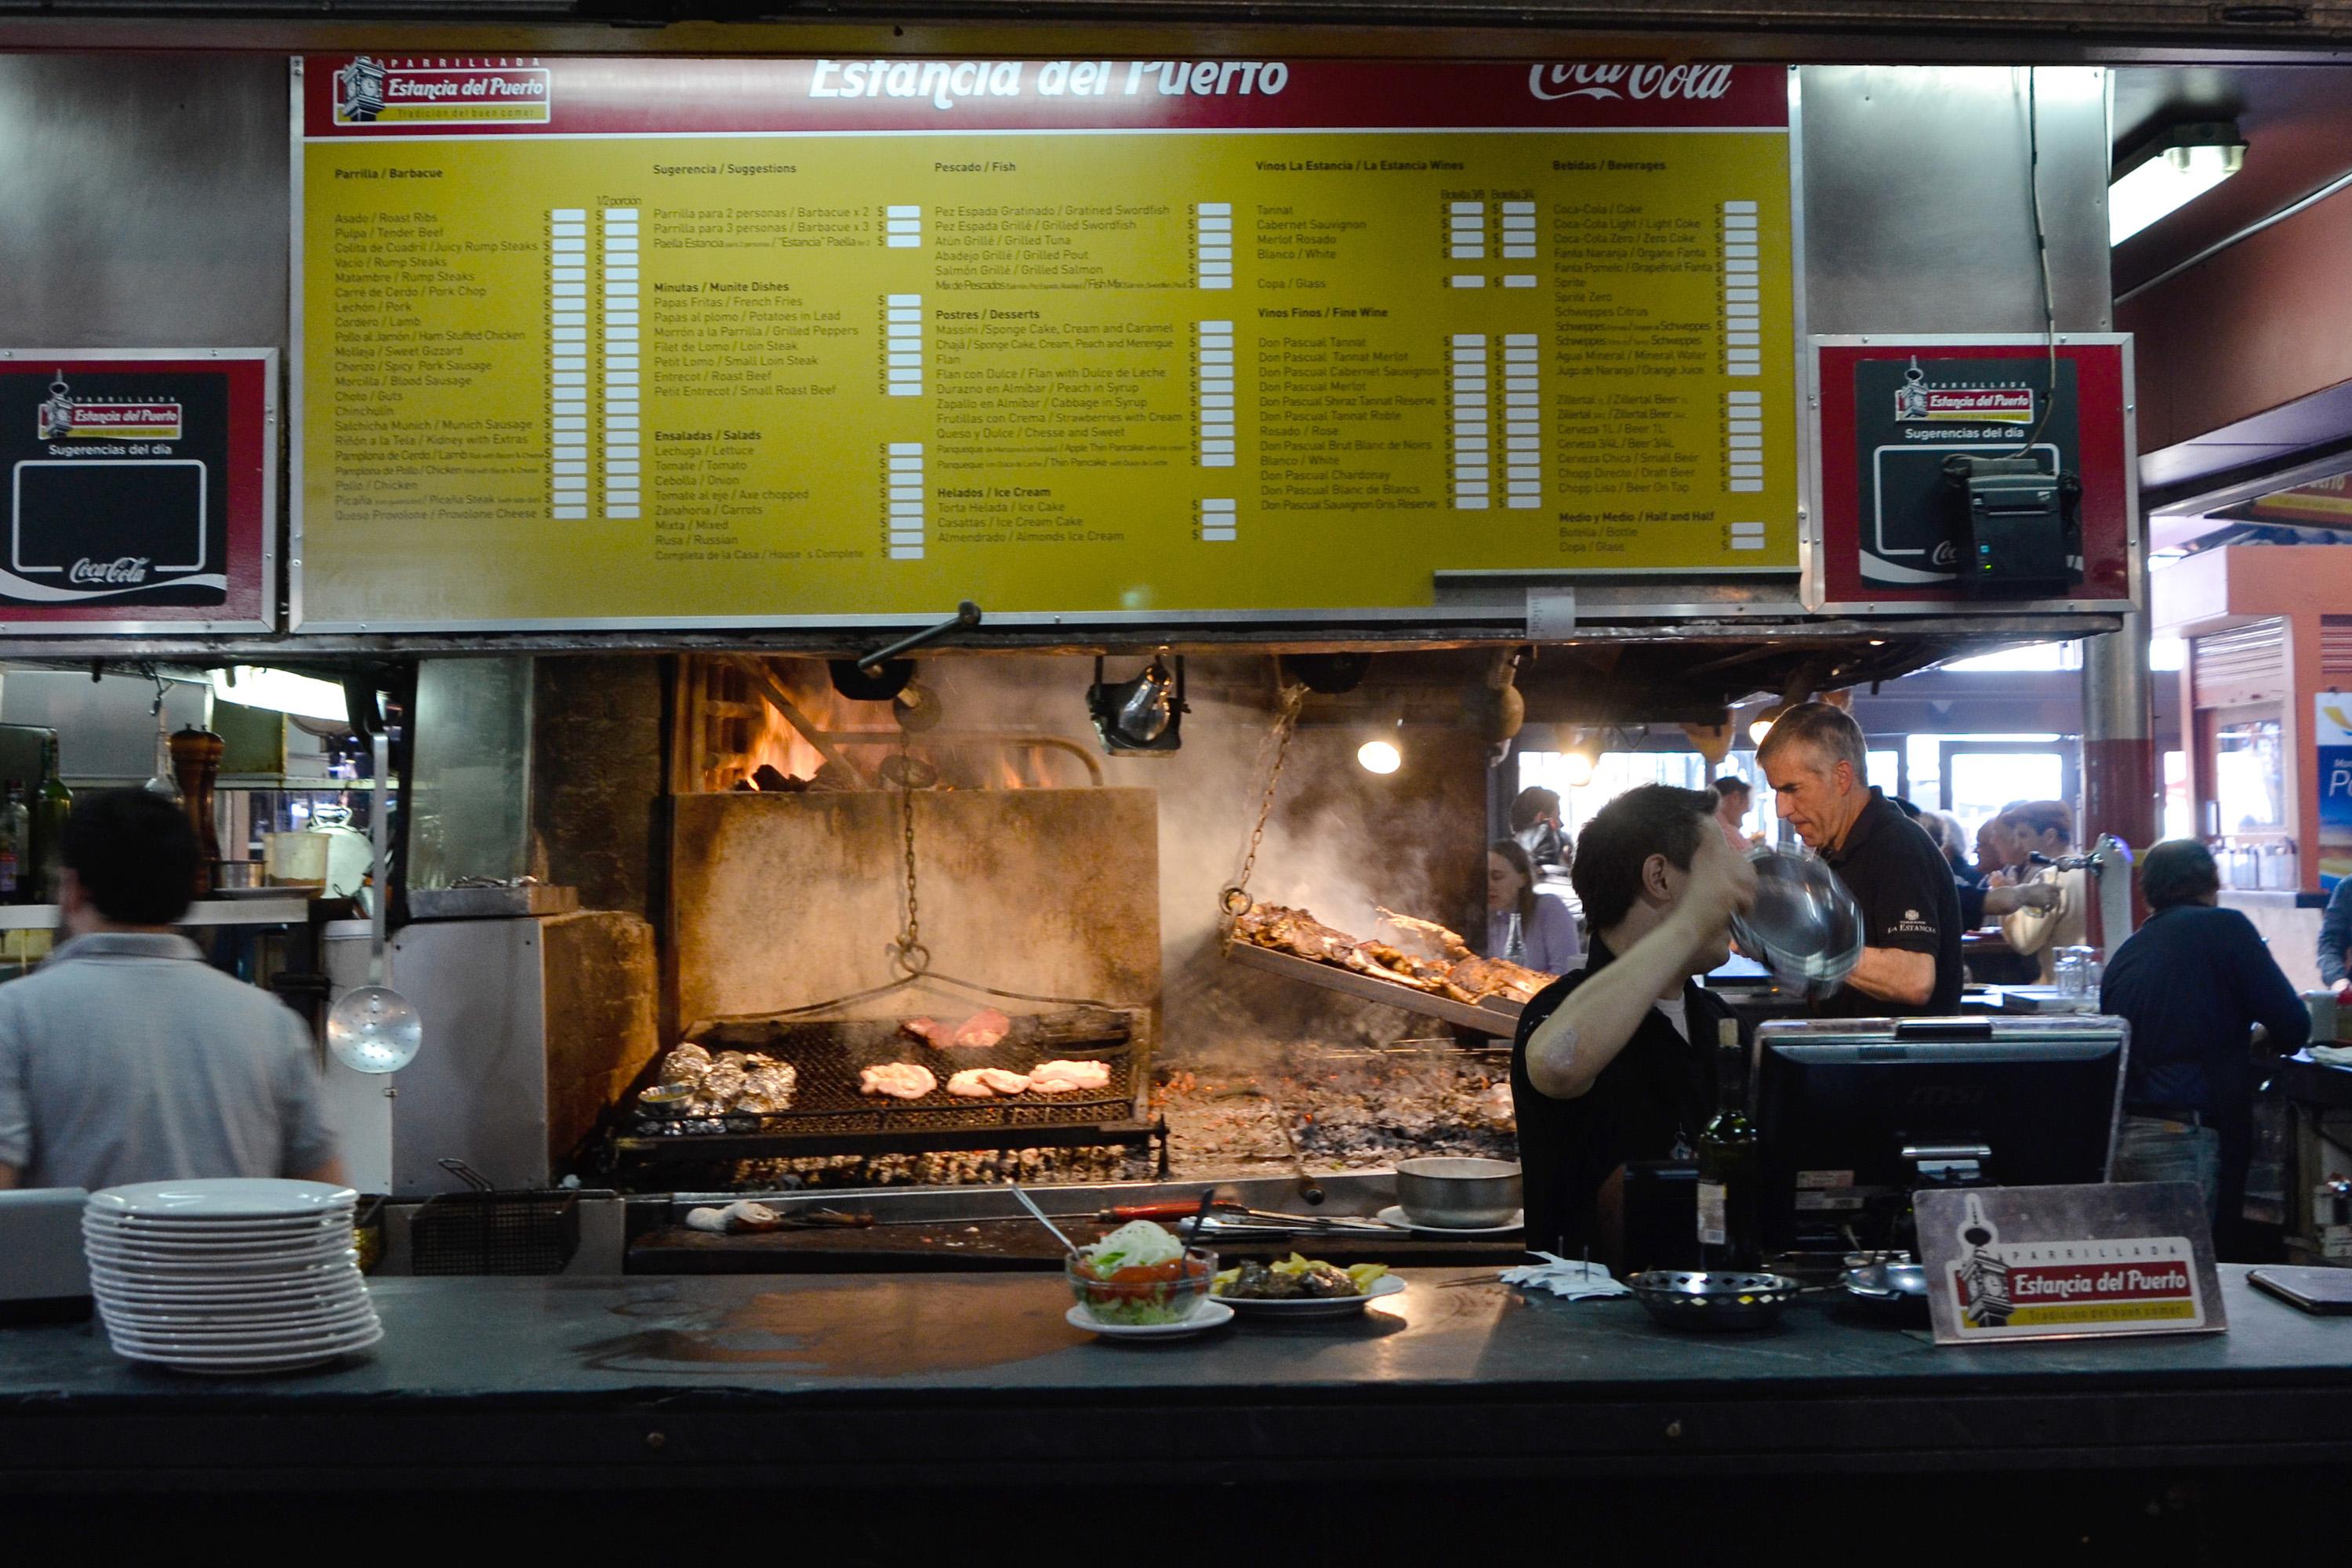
x,y
826,1382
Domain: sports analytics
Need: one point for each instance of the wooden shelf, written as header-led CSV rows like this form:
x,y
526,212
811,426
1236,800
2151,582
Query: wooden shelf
x,y
294,909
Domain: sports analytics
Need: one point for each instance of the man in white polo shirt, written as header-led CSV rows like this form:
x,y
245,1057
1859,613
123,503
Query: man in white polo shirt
x,y
125,1058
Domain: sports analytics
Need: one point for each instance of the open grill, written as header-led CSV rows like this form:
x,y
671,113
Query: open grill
x,y
830,1114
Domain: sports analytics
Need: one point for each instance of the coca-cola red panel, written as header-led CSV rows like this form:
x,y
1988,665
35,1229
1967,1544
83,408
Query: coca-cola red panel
x,y
365,96
138,490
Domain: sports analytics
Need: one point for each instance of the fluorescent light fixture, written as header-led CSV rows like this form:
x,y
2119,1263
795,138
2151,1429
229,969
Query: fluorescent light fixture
x,y
2168,173
255,686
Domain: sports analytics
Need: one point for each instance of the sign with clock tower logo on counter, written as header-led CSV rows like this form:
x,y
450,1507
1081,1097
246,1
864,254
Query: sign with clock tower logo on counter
x,y
634,343
140,490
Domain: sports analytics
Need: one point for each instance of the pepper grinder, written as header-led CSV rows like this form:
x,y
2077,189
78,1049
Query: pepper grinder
x,y
195,764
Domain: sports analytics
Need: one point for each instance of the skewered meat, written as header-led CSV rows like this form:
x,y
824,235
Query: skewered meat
x,y
1294,930
900,1080
931,1031
1382,961
1067,1078
1430,932
967,1085
1459,975
981,1030
1497,977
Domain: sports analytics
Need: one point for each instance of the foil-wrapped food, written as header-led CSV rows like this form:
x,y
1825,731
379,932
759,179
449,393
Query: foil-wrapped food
x,y
731,1080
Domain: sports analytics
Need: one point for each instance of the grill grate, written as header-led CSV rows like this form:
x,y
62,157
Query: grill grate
x,y
829,1053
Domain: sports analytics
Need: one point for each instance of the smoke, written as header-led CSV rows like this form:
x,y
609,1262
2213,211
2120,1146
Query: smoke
x,y
1339,841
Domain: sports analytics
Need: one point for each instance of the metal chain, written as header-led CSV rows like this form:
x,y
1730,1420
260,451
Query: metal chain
x,y
1235,899
908,953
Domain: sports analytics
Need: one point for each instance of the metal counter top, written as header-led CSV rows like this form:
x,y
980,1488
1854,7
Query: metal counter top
x,y
715,1380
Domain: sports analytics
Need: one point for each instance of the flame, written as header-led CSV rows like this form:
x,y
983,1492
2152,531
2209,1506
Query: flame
x,y
739,729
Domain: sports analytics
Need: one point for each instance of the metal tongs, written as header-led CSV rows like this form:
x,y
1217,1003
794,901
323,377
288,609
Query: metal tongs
x,y
1232,1218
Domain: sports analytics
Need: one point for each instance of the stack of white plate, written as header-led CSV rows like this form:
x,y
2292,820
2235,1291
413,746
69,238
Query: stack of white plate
x,y
229,1275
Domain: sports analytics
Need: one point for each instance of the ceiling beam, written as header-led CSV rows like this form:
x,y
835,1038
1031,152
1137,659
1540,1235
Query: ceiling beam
x,y
1925,31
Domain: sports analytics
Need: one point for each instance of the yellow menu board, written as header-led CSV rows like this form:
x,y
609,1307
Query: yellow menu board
x,y
700,342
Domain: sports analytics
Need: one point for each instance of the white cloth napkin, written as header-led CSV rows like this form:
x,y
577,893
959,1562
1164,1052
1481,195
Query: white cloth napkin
x,y
1569,1279
2333,1056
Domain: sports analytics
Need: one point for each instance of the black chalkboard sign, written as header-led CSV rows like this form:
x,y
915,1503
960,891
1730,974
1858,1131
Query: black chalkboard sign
x,y
138,490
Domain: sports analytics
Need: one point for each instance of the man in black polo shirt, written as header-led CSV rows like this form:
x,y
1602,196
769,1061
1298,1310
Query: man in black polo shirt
x,y
1611,1061
1818,766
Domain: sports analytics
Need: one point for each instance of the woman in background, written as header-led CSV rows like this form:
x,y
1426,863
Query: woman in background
x,y
1546,937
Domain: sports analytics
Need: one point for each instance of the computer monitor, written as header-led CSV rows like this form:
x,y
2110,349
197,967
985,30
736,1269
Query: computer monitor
x,y
1853,1115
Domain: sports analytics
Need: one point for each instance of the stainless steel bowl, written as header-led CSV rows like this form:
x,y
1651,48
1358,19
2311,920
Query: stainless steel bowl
x,y
1805,926
668,1100
1892,1286
1459,1193
1690,1299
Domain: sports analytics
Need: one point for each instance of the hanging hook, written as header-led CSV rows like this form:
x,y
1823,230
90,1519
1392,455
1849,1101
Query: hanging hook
x,y
162,687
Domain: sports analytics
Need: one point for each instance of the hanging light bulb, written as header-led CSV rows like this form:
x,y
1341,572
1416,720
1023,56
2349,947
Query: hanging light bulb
x,y
1763,725
1579,757
1384,751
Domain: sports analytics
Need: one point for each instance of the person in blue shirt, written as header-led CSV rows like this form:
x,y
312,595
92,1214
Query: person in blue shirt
x,y
2194,982
2335,935
1546,939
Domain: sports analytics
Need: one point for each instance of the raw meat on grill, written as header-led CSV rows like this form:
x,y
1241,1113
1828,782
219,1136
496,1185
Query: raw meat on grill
x,y
982,1083
900,1080
980,1031
1069,1077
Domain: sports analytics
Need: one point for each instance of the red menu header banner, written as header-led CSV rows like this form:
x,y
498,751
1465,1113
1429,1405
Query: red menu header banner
x,y
363,97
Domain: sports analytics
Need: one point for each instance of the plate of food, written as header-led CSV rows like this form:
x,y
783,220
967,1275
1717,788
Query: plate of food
x,y
1300,1286
1395,1216
1140,1282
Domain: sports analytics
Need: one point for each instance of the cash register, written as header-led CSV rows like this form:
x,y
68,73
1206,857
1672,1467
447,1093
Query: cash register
x,y
1855,1115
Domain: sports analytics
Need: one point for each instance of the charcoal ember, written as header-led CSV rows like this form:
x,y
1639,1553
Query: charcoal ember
x,y
1041,1166
1347,1109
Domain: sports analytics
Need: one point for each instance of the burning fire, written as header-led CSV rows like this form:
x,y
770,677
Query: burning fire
x,y
742,730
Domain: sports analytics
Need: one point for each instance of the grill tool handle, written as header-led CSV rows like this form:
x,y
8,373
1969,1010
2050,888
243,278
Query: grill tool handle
x,y
967,615
1126,1212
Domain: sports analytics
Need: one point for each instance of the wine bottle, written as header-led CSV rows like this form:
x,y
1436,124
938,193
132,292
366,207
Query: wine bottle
x,y
16,829
1730,1166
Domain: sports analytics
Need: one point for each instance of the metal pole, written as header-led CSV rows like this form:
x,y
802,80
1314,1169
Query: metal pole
x,y
2118,749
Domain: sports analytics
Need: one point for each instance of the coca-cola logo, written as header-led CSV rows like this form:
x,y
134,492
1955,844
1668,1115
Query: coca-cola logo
x,y
1691,84
127,569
